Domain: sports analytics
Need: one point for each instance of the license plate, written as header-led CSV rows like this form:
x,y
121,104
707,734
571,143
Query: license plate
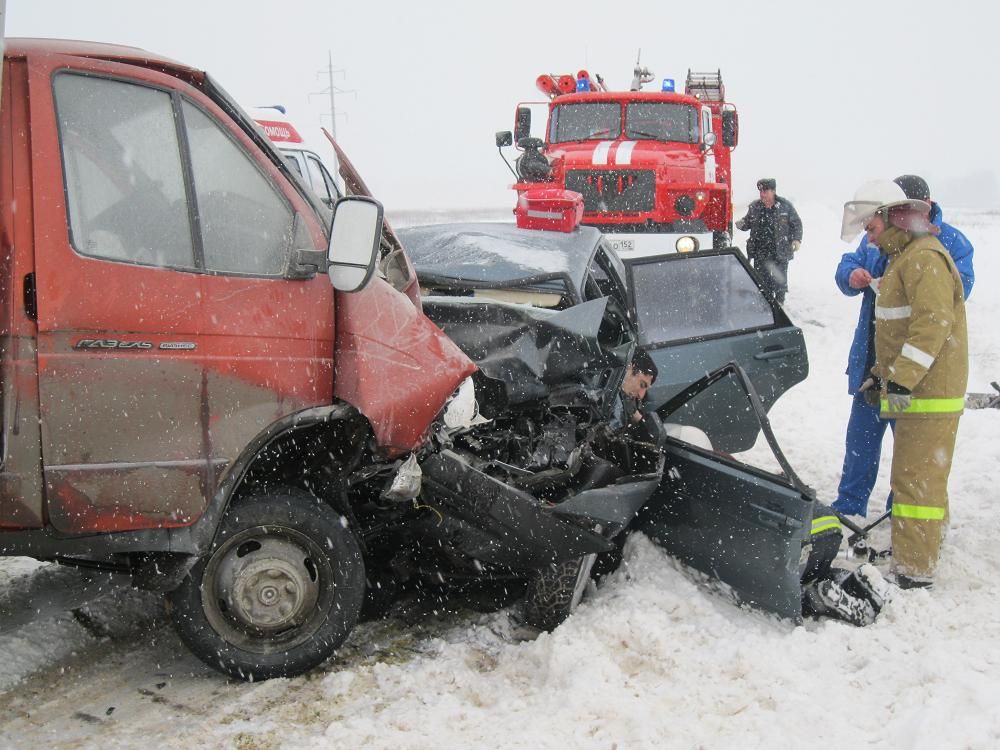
x,y
619,245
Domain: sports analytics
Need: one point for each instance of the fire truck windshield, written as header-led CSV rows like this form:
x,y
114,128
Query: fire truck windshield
x,y
661,121
584,122
656,121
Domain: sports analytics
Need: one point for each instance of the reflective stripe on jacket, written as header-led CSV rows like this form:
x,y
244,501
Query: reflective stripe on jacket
x,y
920,332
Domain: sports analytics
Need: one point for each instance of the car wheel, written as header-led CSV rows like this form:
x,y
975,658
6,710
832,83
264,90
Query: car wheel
x,y
555,592
279,591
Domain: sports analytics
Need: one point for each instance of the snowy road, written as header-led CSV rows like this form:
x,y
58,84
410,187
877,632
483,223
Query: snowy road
x,y
650,660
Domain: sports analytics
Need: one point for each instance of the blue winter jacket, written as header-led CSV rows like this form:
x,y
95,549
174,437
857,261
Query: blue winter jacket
x,y
867,256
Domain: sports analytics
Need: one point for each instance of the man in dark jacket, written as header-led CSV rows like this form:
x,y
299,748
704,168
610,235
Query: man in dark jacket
x,y
775,235
857,273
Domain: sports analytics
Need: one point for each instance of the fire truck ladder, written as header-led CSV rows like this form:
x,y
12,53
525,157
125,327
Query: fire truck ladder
x,y
706,86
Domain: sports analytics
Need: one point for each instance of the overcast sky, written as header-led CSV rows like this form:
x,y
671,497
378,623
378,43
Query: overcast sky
x,y
830,94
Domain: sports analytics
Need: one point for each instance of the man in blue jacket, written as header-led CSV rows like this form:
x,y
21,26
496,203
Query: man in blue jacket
x,y
859,273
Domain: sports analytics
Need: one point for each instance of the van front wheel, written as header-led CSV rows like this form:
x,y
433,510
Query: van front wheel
x,y
278,592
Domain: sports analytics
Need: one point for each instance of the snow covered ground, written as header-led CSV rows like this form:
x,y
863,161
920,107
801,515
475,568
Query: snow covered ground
x,y
650,660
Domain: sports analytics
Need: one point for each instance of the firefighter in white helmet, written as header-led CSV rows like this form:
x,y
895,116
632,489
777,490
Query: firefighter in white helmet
x,y
921,367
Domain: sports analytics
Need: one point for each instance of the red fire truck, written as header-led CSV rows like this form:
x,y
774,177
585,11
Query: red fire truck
x,y
650,168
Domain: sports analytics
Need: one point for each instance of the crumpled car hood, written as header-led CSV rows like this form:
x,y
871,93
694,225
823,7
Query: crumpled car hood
x,y
531,351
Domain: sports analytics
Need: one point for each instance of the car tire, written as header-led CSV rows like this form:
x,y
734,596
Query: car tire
x,y
278,592
554,592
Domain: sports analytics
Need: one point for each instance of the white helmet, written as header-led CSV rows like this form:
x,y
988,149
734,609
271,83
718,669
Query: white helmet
x,y
871,198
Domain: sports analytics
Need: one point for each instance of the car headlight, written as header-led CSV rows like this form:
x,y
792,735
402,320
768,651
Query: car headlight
x,y
462,409
686,244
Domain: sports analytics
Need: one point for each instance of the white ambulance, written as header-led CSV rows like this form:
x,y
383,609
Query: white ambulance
x,y
300,155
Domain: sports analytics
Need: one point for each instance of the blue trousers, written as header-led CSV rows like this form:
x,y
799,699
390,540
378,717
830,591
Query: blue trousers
x,y
865,430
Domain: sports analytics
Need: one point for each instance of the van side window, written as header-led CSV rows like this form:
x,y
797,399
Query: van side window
x,y
122,165
246,225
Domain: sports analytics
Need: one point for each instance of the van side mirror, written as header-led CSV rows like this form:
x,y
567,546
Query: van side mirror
x,y
730,128
522,124
504,138
355,240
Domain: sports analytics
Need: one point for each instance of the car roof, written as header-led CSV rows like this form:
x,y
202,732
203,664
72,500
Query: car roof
x,y
485,253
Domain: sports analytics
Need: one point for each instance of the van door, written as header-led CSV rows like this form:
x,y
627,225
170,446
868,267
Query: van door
x,y
21,496
696,312
167,335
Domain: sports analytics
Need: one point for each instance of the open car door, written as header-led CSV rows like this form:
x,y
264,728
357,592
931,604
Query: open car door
x,y
745,526
696,312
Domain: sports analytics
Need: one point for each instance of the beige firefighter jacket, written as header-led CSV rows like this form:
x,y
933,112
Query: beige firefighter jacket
x,y
921,341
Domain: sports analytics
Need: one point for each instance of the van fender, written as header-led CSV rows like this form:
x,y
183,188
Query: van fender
x,y
203,531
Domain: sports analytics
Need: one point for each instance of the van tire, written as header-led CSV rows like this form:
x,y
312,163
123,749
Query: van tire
x,y
279,591
555,591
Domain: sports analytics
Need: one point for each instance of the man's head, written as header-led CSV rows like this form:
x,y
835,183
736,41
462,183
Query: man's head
x,y
914,187
640,376
878,204
767,187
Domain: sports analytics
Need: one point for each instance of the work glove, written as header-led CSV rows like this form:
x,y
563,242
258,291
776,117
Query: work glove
x,y
871,389
898,396
796,245
859,278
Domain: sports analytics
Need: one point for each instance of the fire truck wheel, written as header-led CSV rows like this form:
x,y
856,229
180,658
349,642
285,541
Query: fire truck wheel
x,y
555,592
278,592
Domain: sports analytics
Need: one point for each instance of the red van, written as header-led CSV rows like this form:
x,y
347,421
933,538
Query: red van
x,y
176,365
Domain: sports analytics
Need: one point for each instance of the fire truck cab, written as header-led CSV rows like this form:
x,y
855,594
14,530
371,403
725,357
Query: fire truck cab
x,y
653,169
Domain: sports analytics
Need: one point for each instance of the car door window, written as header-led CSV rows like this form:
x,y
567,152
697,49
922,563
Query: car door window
x,y
689,297
246,225
122,169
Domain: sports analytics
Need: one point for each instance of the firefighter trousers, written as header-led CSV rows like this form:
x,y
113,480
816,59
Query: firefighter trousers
x,y
921,461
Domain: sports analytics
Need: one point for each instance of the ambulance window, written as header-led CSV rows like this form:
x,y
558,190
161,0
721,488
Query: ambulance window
x,y
294,164
122,169
246,225
316,178
331,184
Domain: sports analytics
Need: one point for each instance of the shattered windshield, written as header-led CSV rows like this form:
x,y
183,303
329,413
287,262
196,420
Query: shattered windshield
x,y
582,122
661,121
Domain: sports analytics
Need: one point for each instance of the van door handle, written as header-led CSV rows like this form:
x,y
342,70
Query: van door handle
x,y
776,352
30,297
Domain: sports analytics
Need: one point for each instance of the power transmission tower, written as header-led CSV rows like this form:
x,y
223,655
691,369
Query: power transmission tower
x,y
331,90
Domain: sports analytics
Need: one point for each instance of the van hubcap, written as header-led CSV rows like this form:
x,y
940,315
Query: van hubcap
x,y
268,584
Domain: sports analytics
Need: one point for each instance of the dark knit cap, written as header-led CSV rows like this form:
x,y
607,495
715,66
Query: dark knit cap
x,y
767,183
914,187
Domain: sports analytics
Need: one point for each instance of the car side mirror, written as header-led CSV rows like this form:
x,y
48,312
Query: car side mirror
x,y
355,240
504,138
730,128
522,124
